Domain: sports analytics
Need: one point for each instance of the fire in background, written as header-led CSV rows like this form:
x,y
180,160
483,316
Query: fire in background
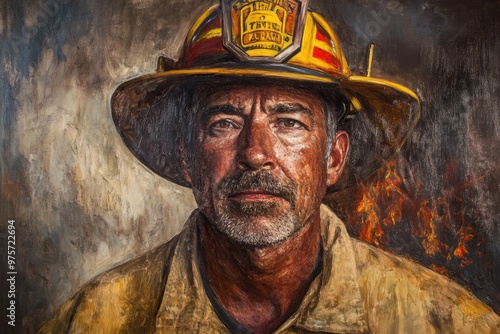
x,y
441,232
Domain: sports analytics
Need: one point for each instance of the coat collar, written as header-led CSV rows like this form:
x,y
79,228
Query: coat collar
x,y
332,304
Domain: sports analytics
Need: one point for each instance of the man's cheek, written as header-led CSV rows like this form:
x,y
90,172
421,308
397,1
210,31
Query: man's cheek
x,y
297,162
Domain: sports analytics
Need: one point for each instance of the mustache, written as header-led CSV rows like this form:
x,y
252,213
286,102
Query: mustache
x,y
261,180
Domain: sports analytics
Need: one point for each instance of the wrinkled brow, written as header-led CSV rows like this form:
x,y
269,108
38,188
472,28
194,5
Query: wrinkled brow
x,y
280,108
286,108
226,109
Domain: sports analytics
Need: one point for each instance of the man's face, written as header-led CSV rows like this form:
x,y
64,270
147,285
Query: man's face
x,y
259,169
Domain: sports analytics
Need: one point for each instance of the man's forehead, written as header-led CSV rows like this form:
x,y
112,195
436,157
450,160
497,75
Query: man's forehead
x,y
241,95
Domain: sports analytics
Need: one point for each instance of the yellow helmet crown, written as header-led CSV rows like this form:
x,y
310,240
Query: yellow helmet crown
x,y
278,31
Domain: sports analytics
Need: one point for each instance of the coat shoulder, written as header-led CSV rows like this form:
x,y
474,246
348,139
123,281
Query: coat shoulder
x,y
395,286
126,296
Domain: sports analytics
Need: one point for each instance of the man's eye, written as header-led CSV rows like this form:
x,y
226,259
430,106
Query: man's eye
x,y
224,124
289,123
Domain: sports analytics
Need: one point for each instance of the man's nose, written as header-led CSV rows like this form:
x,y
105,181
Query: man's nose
x,y
256,147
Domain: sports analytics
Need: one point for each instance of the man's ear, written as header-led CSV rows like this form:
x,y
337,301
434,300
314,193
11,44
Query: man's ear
x,y
338,157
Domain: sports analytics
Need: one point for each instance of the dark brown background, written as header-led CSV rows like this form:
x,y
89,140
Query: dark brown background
x,y
82,203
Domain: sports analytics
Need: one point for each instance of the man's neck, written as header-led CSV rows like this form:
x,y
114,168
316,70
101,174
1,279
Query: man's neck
x,y
261,287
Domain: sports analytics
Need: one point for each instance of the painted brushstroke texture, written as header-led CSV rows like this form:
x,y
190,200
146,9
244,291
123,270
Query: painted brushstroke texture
x,y
83,203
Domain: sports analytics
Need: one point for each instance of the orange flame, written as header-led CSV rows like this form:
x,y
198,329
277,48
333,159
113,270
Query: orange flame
x,y
386,207
372,215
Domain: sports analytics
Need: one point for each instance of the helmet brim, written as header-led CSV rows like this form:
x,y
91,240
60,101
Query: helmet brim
x,y
386,113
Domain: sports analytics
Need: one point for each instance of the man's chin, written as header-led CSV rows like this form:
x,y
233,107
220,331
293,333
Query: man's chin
x,y
258,231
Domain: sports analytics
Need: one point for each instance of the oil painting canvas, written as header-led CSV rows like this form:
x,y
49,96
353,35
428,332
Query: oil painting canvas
x,y
250,166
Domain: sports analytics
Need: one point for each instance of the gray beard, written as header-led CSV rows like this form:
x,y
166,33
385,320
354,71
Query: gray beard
x,y
255,226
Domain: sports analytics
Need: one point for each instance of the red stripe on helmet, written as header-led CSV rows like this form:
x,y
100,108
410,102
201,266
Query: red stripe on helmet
x,y
327,57
204,48
321,36
212,24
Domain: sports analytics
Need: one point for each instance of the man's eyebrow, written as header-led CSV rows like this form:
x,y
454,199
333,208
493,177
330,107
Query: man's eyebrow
x,y
285,108
226,109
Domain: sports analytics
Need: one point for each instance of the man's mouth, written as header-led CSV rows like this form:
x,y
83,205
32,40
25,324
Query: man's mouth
x,y
259,187
254,196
